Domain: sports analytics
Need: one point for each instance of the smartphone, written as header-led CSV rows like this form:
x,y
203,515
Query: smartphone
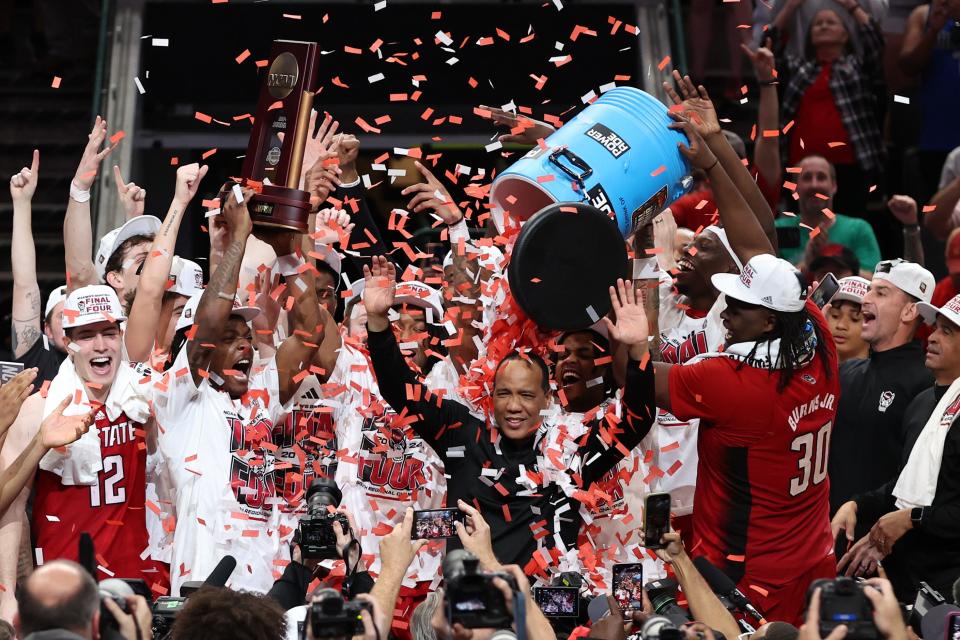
x,y
953,625
8,370
628,585
435,524
558,602
788,237
825,291
656,519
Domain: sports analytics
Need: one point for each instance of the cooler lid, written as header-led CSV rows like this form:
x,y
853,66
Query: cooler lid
x,y
564,261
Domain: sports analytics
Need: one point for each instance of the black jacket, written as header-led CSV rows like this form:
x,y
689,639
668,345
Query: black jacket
x,y
867,437
931,551
483,468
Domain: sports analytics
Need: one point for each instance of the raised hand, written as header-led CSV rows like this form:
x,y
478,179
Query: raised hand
x,y
904,209
380,285
93,155
24,184
236,213
631,327
58,430
333,225
189,177
348,148
763,61
397,549
132,197
431,195
696,104
523,130
698,153
12,395
269,304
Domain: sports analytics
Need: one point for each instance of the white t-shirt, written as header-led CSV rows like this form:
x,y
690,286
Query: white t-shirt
x,y
674,445
221,463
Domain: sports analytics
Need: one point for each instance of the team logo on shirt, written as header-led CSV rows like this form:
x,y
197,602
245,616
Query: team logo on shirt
x,y
886,399
391,464
307,446
251,469
677,352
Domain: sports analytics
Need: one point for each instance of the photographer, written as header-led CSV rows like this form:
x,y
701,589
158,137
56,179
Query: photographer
x,y
290,588
886,614
60,601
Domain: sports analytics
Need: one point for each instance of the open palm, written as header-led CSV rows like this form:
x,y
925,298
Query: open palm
x,y
380,285
58,430
695,103
631,326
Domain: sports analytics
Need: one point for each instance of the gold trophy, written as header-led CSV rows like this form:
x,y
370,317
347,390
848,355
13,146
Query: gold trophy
x,y
271,166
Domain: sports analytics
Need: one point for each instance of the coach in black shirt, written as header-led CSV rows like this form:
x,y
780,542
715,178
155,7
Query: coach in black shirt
x,y
501,466
867,438
918,542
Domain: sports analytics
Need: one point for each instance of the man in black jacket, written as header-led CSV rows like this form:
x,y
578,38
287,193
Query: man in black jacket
x,y
915,516
866,439
503,468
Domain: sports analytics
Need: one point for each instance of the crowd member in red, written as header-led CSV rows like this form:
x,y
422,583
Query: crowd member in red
x,y
762,473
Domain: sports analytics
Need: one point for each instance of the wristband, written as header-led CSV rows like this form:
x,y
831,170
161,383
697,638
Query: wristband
x,y
646,269
351,184
911,228
459,231
226,296
77,194
768,83
290,264
715,163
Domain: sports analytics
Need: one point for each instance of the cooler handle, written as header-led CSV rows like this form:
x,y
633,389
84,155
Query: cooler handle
x,y
576,161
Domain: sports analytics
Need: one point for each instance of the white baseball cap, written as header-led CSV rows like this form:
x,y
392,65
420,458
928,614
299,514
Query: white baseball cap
x,y
907,276
139,226
326,253
187,277
767,281
950,311
852,289
91,304
722,236
421,295
56,296
188,315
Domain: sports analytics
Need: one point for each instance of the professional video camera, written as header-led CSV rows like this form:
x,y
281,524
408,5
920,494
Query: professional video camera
x,y
663,597
166,608
330,616
843,602
472,598
927,599
661,628
316,537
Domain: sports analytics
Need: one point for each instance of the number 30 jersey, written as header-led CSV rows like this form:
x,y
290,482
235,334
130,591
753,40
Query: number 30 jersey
x,y
112,511
761,507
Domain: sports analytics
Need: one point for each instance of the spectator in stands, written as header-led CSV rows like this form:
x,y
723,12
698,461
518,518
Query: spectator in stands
x,y
816,188
866,441
830,96
845,319
945,215
836,259
930,49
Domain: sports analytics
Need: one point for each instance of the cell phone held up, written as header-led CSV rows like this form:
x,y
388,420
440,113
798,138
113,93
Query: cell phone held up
x,y
435,524
656,519
825,291
628,585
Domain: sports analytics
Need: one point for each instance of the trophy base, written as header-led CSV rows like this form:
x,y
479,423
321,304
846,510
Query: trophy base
x,y
281,208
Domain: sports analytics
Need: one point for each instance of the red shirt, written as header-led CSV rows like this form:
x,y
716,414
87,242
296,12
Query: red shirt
x,y
688,212
111,511
762,507
818,124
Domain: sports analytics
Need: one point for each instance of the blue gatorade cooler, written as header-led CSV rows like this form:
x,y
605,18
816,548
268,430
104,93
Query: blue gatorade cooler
x,y
617,155
608,171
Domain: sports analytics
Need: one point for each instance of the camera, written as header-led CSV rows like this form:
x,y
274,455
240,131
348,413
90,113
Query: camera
x,y
117,590
663,597
927,598
316,537
661,628
330,616
472,598
165,610
843,602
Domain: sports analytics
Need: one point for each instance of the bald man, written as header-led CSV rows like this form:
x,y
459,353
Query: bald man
x,y
59,600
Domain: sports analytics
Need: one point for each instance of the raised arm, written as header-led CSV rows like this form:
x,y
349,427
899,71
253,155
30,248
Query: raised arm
x,y
904,209
784,18
132,198
939,221
141,329
699,112
296,352
217,300
766,147
923,26
77,229
26,305
745,232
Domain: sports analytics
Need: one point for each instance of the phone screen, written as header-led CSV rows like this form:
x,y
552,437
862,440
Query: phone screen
x,y
628,585
558,602
825,291
953,626
656,519
435,524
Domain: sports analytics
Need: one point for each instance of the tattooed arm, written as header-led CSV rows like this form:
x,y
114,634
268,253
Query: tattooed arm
x,y
23,260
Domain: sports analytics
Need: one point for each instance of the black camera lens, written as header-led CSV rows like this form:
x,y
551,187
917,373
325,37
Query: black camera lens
x,y
323,493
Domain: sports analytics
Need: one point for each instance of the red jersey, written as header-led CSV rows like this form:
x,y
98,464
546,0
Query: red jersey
x,y
111,511
762,508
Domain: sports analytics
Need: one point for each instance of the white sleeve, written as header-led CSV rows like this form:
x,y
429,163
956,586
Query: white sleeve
x,y
172,403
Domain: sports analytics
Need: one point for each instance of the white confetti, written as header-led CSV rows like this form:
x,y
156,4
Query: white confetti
x,y
211,213
375,78
585,99
606,87
901,99
380,5
493,146
444,38
38,553
160,42
558,5
237,193
593,314
139,84
53,519
452,61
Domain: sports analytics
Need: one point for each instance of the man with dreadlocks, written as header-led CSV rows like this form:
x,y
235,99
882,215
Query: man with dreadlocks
x,y
761,509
